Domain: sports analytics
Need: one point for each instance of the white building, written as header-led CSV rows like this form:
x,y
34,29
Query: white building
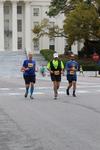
x,y
18,17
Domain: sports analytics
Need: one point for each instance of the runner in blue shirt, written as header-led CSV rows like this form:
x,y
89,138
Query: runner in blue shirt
x,y
71,67
29,76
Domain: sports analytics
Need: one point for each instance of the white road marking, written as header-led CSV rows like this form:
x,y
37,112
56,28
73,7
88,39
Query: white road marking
x,y
88,86
4,89
61,92
65,81
21,88
40,93
18,94
82,91
14,94
78,91
97,90
88,83
62,87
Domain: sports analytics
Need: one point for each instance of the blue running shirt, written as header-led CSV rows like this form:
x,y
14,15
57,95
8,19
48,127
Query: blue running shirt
x,y
70,66
30,64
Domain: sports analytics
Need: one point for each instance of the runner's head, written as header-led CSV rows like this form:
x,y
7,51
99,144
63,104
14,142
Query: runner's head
x,y
72,56
55,55
30,55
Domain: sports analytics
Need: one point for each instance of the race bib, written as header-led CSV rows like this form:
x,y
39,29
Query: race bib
x,y
71,72
56,72
30,65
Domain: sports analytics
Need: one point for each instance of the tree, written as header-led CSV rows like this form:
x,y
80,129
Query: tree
x,y
82,23
56,6
65,6
82,18
45,28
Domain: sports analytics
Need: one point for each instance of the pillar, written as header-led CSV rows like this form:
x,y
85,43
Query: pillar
x,y
1,26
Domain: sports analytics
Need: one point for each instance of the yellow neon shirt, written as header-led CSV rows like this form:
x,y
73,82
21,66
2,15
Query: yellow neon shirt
x,y
55,64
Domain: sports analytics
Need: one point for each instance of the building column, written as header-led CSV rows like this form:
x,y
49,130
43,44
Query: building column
x,y
75,47
59,45
1,26
14,26
28,30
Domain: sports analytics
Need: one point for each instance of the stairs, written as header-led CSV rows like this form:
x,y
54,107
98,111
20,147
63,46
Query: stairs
x,y
11,62
39,59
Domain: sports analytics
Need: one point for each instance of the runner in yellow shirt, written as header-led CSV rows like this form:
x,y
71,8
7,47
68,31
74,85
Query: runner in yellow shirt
x,y
55,68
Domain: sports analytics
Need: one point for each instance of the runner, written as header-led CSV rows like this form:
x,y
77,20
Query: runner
x,y
55,68
43,70
71,67
81,70
28,70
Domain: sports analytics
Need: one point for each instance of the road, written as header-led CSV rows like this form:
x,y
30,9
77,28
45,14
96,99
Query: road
x,y
68,123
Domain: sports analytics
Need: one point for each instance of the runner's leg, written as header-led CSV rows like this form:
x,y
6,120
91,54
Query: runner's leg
x,y
26,85
32,82
55,89
69,86
31,90
74,88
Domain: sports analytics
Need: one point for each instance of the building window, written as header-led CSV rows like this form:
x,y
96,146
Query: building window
x,y
19,43
52,43
52,24
6,24
19,25
36,45
35,23
35,11
6,28
19,9
6,9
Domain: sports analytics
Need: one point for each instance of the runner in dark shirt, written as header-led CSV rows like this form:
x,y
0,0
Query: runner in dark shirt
x,y
29,76
72,67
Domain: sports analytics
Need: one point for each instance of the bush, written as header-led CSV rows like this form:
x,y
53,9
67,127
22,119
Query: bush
x,y
47,53
81,54
87,64
91,67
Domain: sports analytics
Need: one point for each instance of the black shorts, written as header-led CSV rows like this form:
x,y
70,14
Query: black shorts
x,y
29,79
71,78
56,78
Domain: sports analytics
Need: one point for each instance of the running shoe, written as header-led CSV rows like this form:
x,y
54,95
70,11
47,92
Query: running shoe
x,y
31,97
67,91
74,95
26,94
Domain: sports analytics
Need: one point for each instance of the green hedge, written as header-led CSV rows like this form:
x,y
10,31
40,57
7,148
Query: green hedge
x,y
48,54
87,65
90,67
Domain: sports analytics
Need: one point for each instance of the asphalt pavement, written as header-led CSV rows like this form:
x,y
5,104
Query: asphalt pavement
x,y
68,123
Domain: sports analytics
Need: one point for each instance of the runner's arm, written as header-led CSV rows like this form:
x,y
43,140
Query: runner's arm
x,y
49,68
67,66
24,67
62,68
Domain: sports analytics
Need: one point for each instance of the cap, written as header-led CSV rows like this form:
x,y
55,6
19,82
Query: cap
x,y
55,55
72,55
